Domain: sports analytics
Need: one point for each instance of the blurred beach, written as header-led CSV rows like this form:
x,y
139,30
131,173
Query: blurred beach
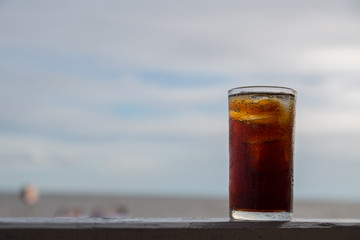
x,y
71,205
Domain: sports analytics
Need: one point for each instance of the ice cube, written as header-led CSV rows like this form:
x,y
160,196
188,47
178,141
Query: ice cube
x,y
267,157
263,110
259,118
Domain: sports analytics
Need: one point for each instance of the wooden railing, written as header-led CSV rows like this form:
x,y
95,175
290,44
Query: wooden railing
x,y
176,229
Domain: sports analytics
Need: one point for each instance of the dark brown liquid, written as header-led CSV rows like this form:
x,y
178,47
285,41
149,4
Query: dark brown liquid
x,y
261,152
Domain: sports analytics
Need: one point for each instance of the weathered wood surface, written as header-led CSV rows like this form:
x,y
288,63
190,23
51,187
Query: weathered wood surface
x,y
113,228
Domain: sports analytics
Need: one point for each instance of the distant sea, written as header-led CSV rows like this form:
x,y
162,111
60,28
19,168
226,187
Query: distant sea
x,y
70,205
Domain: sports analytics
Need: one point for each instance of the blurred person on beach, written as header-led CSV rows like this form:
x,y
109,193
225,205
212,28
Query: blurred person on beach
x,y
30,195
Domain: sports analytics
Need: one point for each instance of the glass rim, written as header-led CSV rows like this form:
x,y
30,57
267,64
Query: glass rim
x,y
261,89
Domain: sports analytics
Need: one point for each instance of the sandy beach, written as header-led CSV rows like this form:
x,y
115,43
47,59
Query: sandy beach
x,y
52,205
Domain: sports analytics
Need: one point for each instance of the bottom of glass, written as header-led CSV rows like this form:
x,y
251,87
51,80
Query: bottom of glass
x,y
260,216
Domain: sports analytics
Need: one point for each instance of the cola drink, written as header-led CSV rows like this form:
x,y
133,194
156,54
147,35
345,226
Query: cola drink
x,y
261,137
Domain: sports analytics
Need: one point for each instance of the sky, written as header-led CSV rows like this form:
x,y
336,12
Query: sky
x,y
130,97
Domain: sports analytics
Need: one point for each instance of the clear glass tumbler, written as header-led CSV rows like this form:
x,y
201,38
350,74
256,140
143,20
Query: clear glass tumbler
x,y
261,137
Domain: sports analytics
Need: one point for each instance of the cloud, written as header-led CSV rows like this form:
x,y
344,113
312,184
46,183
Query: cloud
x,y
337,59
223,38
98,86
330,106
81,108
